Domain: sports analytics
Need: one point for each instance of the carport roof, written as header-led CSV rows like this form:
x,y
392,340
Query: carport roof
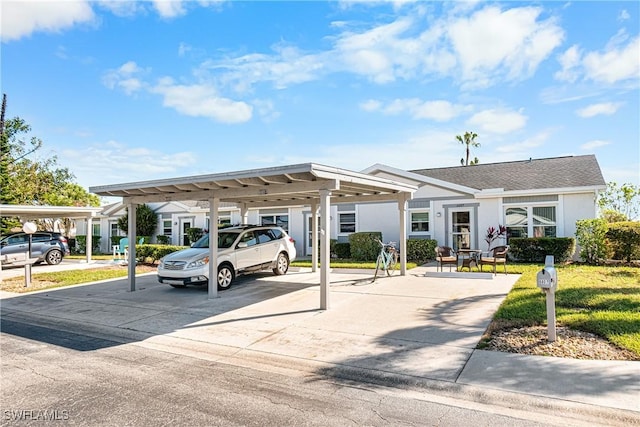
x,y
285,185
39,211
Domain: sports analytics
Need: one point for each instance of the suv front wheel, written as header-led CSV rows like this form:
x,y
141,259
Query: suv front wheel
x,y
282,264
53,257
225,276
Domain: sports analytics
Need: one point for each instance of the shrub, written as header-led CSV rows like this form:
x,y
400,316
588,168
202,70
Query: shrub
x,y
194,234
624,238
163,240
591,236
81,244
364,245
342,250
115,240
421,249
152,253
534,249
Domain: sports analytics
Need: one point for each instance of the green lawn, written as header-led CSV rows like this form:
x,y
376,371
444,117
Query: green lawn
x,y
601,300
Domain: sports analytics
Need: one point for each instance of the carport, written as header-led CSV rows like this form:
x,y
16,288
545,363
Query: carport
x,y
30,212
305,184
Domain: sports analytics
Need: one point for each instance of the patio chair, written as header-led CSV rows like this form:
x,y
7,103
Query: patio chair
x,y
495,257
446,256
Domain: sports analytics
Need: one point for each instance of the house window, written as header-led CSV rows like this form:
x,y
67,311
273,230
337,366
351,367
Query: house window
x,y
166,227
347,222
279,220
531,221
95,229
419,222
113,227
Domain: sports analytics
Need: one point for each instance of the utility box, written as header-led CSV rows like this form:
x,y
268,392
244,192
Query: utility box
x,y
547,278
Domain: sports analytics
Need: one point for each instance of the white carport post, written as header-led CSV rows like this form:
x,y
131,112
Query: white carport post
x,y
132,246
89,240
325,234
214,204
244,214
314,237
402,209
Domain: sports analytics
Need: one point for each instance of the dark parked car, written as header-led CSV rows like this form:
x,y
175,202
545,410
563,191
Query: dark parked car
x,y
45,246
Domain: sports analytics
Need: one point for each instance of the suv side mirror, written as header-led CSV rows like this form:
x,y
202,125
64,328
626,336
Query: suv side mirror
x,y
242,245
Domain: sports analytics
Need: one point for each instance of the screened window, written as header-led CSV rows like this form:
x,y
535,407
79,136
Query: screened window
x,y
419,222
113,226
95,229
347,222
166,227
531,221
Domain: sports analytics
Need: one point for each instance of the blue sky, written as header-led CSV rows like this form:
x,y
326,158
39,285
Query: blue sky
x,y
127,91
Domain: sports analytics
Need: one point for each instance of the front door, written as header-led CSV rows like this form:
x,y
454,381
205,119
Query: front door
x,y
461,231
185,224
307,232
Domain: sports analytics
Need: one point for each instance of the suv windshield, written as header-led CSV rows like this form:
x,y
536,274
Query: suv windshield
x,y
225,240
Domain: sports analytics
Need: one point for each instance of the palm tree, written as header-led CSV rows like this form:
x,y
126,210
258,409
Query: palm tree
x,y
468,139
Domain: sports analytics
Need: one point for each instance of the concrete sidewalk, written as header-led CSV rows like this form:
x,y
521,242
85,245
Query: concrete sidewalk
x,y
419,330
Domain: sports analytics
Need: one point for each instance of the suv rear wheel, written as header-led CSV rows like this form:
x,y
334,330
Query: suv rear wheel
x,y
225,276
282,264
53,257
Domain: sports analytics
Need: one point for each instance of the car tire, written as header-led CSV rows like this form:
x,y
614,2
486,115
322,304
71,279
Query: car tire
x,y
225,276
53,257
282,264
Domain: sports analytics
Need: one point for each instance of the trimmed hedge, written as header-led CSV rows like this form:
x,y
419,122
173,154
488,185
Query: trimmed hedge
x,y
421,249
624,238
364,246
155,252
342,250
535,249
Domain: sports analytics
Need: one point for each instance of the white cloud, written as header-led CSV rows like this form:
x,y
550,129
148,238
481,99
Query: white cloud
x,y
500,121
118,160
438,110
523,148
592,145
493,43
606,108
570,62
624,15
614,64
22,18
169,8
201,100
124,78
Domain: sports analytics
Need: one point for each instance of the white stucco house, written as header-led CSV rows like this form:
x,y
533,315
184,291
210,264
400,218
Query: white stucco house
x,y
453,205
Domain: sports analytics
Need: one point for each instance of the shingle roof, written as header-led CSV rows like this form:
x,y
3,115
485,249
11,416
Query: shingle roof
x,y
556,172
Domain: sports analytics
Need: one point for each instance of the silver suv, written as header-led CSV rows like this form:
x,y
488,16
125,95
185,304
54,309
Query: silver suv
x,y
242,249
45,246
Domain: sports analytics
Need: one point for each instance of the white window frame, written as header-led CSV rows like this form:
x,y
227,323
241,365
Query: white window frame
x,y
410,221
354,222
530,225
95,229
274,219
165,228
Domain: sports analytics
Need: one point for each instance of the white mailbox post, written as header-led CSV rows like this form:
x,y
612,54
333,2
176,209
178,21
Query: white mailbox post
x,y
547,280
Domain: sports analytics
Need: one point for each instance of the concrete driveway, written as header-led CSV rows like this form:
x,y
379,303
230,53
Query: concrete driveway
x,y
416,329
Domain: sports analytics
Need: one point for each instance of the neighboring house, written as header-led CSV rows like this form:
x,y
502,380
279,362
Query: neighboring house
x,y
453,205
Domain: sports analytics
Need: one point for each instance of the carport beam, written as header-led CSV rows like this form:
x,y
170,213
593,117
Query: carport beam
x,y
89,242
314,237
402,208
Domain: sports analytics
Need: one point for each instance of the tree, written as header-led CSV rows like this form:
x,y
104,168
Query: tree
x,y
591,236
146,221
469,140
28,180
624,199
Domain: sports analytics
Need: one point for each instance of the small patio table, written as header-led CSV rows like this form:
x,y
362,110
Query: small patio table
x,y
469,258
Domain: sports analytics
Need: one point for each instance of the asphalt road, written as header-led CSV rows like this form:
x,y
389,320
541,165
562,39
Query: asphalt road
x,y
70,378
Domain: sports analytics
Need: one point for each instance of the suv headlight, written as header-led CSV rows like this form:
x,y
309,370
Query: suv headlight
x,y
199,262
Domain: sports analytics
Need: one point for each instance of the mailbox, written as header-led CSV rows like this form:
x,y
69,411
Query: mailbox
x,y
547,278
